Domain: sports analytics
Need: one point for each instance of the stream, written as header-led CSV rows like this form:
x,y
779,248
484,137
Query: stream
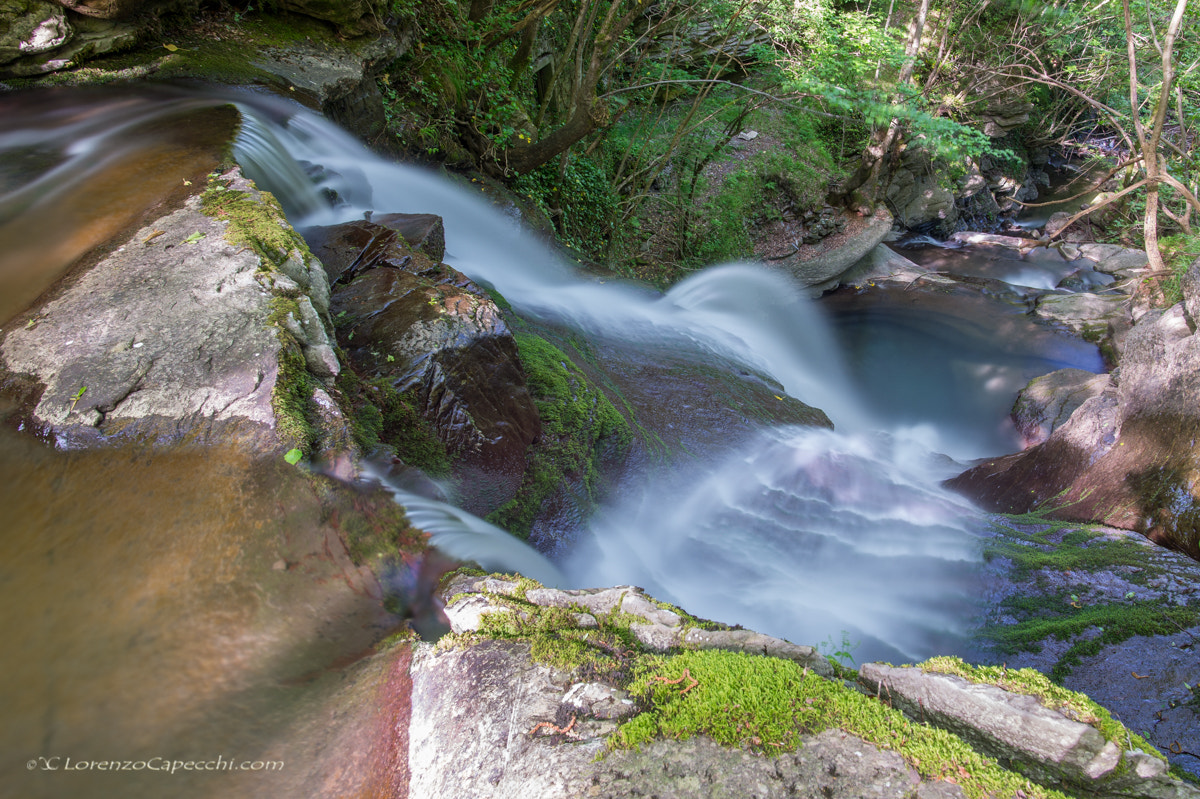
x,y
806,534
840,537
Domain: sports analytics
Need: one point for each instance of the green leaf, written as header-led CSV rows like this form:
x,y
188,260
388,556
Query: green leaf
x,y
293,456
195,237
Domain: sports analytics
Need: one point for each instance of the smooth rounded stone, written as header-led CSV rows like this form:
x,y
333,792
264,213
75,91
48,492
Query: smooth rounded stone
x,y
818,270
1048,401
1114,259
1087,314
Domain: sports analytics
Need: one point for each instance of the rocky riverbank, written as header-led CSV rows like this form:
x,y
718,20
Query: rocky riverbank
x,y
215,323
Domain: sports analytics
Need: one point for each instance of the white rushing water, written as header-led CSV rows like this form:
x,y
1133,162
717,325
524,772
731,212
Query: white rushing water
x,y
802,533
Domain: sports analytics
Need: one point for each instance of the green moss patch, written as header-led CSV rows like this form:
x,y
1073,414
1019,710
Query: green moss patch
x,y
605,651
580,429
291,398
379,414
765,705
255,221
1058,558
1060,546
1060,617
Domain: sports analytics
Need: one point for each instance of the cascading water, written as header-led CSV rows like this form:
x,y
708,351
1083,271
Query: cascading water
x,y
802,533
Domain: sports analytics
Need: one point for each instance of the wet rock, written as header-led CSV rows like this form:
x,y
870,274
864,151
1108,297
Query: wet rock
x,y
39,37
386,240
1087,314
1126,457
31,27
170,338
1048,401
340,81
425,327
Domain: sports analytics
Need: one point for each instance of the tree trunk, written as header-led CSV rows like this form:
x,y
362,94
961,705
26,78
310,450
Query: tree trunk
x,y
1148,142
862,189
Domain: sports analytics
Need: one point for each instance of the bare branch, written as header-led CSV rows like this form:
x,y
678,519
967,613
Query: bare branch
x,y
1094,208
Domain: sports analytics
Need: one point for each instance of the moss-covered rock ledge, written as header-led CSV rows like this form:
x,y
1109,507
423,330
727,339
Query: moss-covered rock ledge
x,y
546,693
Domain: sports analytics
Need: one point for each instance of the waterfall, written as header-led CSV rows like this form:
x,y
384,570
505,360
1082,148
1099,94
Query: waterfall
x,y
801,533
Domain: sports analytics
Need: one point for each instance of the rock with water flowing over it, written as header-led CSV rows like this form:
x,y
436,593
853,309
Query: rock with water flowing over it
x,y
1127,456
422,326
181,335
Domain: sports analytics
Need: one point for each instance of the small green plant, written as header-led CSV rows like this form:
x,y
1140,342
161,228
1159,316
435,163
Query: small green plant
x,y
843,652
77,396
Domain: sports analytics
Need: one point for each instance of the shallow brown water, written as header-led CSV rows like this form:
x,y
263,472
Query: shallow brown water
x,y
146,614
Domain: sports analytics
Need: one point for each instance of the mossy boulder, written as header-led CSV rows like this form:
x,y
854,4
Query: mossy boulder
x,y
542,692
425,330
191,330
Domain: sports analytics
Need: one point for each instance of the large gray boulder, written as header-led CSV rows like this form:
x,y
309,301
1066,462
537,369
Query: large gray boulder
x,y
1048,401
917,197
1087,314
1125,457
820,267
181,335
